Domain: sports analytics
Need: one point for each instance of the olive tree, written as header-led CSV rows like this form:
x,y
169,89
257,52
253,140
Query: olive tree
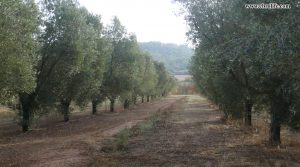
x,y
254,51
18,47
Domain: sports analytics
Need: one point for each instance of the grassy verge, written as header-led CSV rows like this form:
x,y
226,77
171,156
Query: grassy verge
x,y
122,138
118,145
6,113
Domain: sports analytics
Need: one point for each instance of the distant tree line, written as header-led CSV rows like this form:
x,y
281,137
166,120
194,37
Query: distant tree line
x,y
247,59
175,57
58,52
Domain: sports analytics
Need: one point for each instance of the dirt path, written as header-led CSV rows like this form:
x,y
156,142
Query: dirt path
x,y
69,144
193,134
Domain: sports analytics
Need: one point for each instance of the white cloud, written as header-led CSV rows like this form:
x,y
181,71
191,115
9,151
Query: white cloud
x,y
150,20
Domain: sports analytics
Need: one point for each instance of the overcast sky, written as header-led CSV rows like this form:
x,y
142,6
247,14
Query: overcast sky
x,y
150,20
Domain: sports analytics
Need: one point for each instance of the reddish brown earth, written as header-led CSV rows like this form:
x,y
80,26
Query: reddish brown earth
x,y
54,143
193,134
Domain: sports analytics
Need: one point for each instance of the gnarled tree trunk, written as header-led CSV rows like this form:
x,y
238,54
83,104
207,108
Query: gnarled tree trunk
x,y
278,107
126,104
27,106
65,108
148,98
248,112
112,105
94,106
275,127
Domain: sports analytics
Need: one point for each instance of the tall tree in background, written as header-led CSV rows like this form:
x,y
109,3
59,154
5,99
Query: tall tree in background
x,y
149,79
111,83
129,66
96,90
119,75
138,76
163,79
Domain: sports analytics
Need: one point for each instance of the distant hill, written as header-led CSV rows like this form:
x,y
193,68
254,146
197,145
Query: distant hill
x,y
175,57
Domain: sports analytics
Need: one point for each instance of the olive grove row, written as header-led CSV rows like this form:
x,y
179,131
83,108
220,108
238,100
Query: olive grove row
x,y
56,52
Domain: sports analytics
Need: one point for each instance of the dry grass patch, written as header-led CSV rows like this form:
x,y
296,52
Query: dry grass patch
x,y
6,112
119,142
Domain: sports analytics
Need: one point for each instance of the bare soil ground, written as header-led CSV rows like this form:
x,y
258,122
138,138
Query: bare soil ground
x,y
193,134
58,144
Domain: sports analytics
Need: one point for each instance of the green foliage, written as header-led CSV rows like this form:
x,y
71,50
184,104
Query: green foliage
x,y
78,53
124,135
164,79
149,124
18,46
175,57
119,74
73,58
131,72
149,77
246,56
122,139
